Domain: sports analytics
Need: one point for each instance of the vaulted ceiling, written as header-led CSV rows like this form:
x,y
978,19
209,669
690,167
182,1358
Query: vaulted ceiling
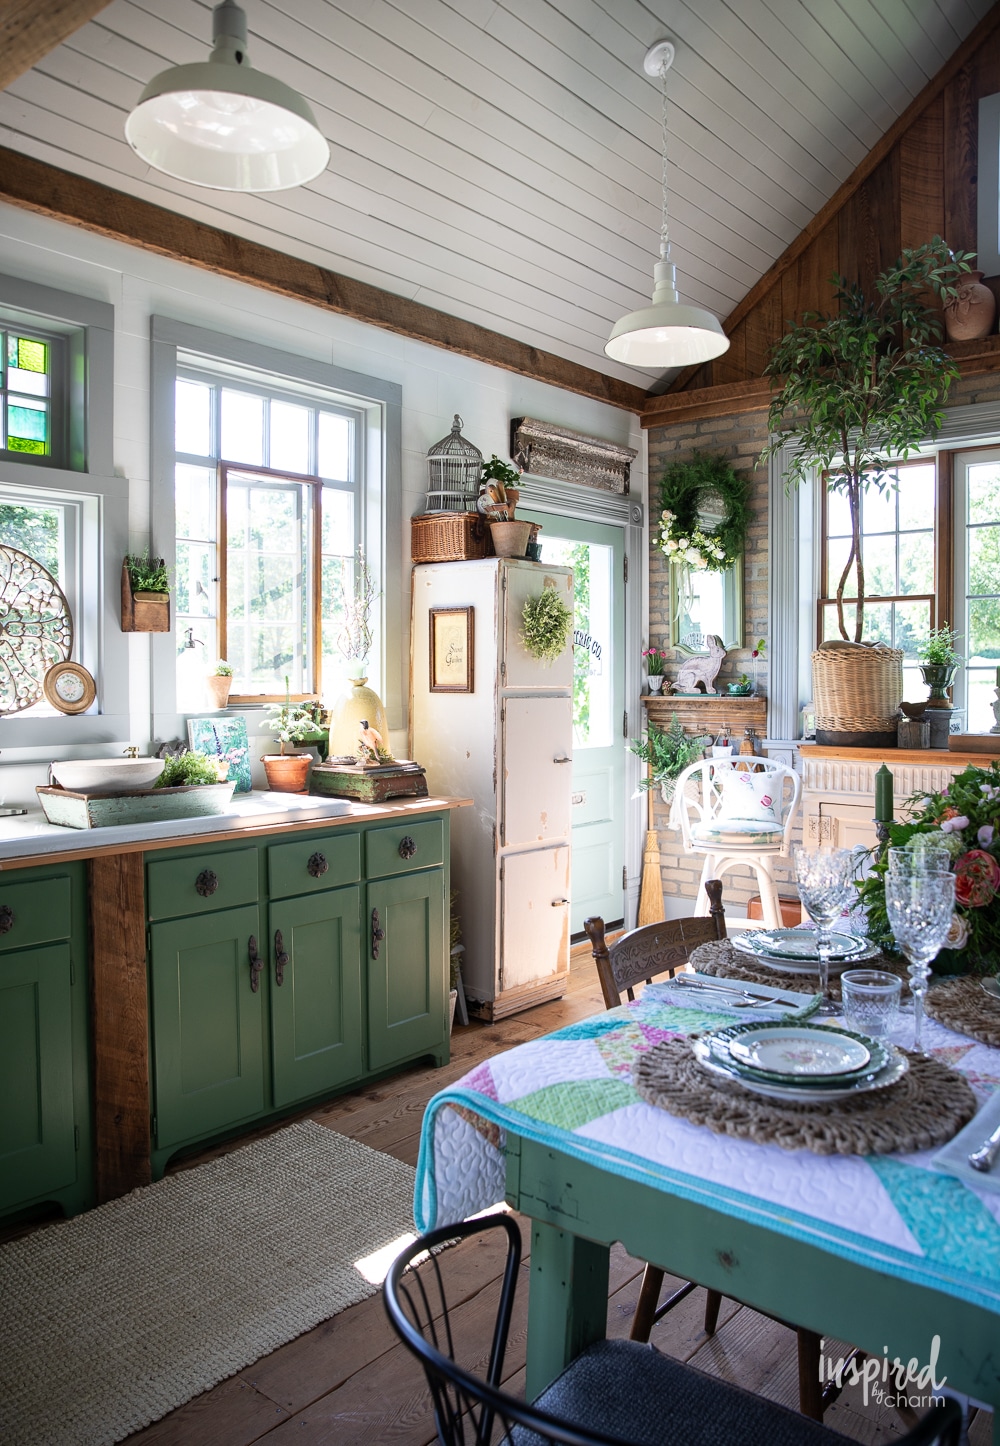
x,y
499,159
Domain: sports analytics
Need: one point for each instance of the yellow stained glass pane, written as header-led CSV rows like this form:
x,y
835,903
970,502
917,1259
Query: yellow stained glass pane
x,y
32,356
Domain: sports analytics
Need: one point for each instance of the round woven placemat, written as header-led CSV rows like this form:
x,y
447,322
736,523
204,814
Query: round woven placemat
x,y
720,958
925,1108
963,1005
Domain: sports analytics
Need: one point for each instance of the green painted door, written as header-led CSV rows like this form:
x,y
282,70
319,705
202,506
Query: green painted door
x,y
37,1149
406,968
208,1067
316,1026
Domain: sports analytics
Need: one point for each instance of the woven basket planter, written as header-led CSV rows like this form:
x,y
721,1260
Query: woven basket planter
x,y
856,694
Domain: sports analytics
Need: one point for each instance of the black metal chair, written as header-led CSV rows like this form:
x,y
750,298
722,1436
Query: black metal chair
x,y
616,1393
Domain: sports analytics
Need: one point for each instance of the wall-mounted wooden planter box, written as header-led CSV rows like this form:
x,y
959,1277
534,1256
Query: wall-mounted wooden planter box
x,y
143,612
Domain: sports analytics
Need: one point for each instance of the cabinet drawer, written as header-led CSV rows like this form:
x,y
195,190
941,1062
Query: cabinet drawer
x,y
404,847
200,883
34,913
318,863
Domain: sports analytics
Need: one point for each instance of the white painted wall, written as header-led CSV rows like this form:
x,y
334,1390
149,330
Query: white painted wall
x,y
139,284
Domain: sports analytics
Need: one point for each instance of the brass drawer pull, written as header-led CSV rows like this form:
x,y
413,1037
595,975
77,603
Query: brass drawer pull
x,y
256,964
407,848
6,918
378,933
317,865
206,883
280,958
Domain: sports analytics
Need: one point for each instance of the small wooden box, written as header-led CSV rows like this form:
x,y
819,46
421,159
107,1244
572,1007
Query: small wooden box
x,y
791,911
449,537
368,784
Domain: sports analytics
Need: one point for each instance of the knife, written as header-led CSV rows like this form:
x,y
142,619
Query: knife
x,y
985,1157
733,991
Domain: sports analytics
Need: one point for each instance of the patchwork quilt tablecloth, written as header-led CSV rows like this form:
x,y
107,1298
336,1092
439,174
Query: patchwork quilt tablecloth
x,y
573,1090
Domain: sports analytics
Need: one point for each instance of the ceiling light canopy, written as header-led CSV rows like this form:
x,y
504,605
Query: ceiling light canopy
x,y
220,123
666,333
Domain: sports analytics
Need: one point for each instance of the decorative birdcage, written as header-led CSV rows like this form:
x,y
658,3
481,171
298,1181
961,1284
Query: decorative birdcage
x,y
454,467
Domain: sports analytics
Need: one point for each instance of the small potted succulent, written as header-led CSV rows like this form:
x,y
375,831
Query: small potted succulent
x,y
145,594
654,658
220,682
742,688
938,662
292,723
497,500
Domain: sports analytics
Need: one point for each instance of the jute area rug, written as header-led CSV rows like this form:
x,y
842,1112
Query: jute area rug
x,y
112,1319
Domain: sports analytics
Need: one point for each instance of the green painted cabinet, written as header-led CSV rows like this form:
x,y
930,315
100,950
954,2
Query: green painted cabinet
x,y
407,986
44,1073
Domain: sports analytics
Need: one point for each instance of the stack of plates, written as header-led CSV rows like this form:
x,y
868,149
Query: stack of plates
x,y
812,1063
793,951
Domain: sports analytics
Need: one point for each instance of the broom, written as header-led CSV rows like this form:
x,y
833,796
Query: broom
x,y
651,892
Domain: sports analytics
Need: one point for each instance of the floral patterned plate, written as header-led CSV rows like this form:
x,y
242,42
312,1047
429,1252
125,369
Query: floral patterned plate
x,y
803,1052
805,1092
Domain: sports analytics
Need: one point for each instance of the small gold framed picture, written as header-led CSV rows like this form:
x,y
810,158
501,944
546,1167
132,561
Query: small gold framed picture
x,y
452,635
69,687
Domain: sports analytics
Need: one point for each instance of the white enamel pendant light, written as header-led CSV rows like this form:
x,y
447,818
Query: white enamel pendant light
x,y
666,333
222,124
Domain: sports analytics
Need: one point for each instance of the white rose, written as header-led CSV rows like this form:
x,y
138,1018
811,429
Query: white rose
x,y
958,933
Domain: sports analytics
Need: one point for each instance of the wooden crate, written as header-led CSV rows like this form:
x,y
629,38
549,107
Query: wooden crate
x,y
449,537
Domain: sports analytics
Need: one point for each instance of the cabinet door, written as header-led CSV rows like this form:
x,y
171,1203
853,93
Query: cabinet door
x,y
37,1148
521,581
406,967
536,770
534,930
316,1027
208,1052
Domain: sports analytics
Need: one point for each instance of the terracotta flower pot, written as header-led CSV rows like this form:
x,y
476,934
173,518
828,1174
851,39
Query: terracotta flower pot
x,y
219,688
973,312
287,772
510,539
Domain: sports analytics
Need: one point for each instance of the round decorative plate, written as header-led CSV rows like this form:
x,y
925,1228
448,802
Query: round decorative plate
x,y
36,629
799,1051
804,1093
69,687
795,944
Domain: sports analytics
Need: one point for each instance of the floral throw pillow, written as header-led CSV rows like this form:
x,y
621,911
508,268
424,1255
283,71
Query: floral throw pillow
x,y
752,797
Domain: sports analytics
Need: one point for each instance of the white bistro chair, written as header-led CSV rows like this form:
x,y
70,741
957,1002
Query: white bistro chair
x,y
732,815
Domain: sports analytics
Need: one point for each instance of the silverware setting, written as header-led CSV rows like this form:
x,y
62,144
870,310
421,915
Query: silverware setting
x,y
739,998
985,1157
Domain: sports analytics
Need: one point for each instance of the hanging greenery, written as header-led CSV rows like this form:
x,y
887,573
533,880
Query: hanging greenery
x,y
546,624
689,490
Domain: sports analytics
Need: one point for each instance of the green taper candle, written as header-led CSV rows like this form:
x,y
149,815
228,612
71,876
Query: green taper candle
x,y
883,796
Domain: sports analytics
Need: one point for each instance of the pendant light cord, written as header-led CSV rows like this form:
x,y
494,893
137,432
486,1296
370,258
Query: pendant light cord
x,y
665,220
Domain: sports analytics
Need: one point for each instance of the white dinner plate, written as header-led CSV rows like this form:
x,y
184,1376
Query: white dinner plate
x,y
799,1050
797,944
805,1093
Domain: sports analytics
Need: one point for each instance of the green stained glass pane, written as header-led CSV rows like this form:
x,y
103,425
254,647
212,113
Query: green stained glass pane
x,y
26,444
27,424
32,356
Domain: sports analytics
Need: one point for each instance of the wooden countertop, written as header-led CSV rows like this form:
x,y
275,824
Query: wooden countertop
x,y
888,756
86,843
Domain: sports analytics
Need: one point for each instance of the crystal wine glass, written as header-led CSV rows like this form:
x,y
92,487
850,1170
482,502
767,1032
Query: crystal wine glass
x,y
825,887
920,906
924,860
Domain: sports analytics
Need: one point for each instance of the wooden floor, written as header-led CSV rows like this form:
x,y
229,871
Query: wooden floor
x,y
349,1381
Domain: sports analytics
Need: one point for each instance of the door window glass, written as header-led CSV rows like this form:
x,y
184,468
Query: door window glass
x,y
592,681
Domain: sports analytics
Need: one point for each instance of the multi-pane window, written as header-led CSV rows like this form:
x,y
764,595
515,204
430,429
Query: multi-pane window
x,y
26,382
898,527
268,523
977,579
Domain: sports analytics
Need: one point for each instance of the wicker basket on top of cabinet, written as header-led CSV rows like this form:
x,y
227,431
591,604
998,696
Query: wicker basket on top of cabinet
x,y
449,537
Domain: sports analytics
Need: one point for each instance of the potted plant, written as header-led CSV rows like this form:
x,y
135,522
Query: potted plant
x,y
497,500
742,688
857,391
654,659
938,664
220,682
145,594
292,723
667,752
191,769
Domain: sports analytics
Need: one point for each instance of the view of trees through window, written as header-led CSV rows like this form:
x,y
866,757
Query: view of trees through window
x,y
981,625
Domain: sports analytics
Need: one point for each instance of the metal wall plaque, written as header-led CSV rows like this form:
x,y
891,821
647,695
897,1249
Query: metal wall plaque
x,y
548,451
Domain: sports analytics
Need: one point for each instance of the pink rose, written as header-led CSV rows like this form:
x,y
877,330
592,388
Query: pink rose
x,y
977,878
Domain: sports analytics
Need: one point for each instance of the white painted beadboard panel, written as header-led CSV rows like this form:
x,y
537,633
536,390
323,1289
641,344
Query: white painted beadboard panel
x,y
499,159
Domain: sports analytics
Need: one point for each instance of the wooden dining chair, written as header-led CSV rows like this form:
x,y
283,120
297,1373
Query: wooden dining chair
x,y
638,957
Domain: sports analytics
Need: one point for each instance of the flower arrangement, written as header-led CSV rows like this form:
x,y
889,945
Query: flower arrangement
x,y
359,591
667,752
963,819
546,623
292,722
698,549
692,495
222,669
654,659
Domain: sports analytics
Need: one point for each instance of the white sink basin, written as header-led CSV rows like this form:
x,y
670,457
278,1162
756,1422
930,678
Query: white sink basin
x,y
107,775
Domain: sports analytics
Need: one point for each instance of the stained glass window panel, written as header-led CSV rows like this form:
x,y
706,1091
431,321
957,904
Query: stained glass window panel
x,y
32,356
27,427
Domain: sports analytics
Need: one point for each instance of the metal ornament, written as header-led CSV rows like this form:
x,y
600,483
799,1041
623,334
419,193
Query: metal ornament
x,y
36,628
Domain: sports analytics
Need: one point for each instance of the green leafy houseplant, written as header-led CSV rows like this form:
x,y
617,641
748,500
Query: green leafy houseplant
x,y
667,752
545,625
860,389
497,471
186,769
939,650
147,574
689,490
222,669
964,818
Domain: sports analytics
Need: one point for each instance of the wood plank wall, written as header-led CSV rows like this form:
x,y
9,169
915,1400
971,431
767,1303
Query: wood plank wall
x,y
924,186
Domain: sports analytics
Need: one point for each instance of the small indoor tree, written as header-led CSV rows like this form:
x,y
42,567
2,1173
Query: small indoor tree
x,y
860,389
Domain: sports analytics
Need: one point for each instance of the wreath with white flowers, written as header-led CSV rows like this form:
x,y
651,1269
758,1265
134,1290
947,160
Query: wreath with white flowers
x,y
689,489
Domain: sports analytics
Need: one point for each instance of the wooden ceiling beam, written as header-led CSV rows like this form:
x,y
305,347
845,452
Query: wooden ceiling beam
x,y
37,186
29,29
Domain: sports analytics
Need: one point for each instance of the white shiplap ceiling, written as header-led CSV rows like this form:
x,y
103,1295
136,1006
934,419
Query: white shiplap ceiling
x,y
499,159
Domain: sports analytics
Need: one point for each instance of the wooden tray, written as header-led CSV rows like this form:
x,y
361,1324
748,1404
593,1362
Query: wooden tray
x,y
147,805
372,784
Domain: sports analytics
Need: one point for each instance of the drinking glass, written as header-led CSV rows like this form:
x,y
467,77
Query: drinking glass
x,y
871,1000
925,860
920,906
825,887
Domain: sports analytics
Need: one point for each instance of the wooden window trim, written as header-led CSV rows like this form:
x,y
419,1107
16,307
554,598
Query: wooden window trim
x,y
315,522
